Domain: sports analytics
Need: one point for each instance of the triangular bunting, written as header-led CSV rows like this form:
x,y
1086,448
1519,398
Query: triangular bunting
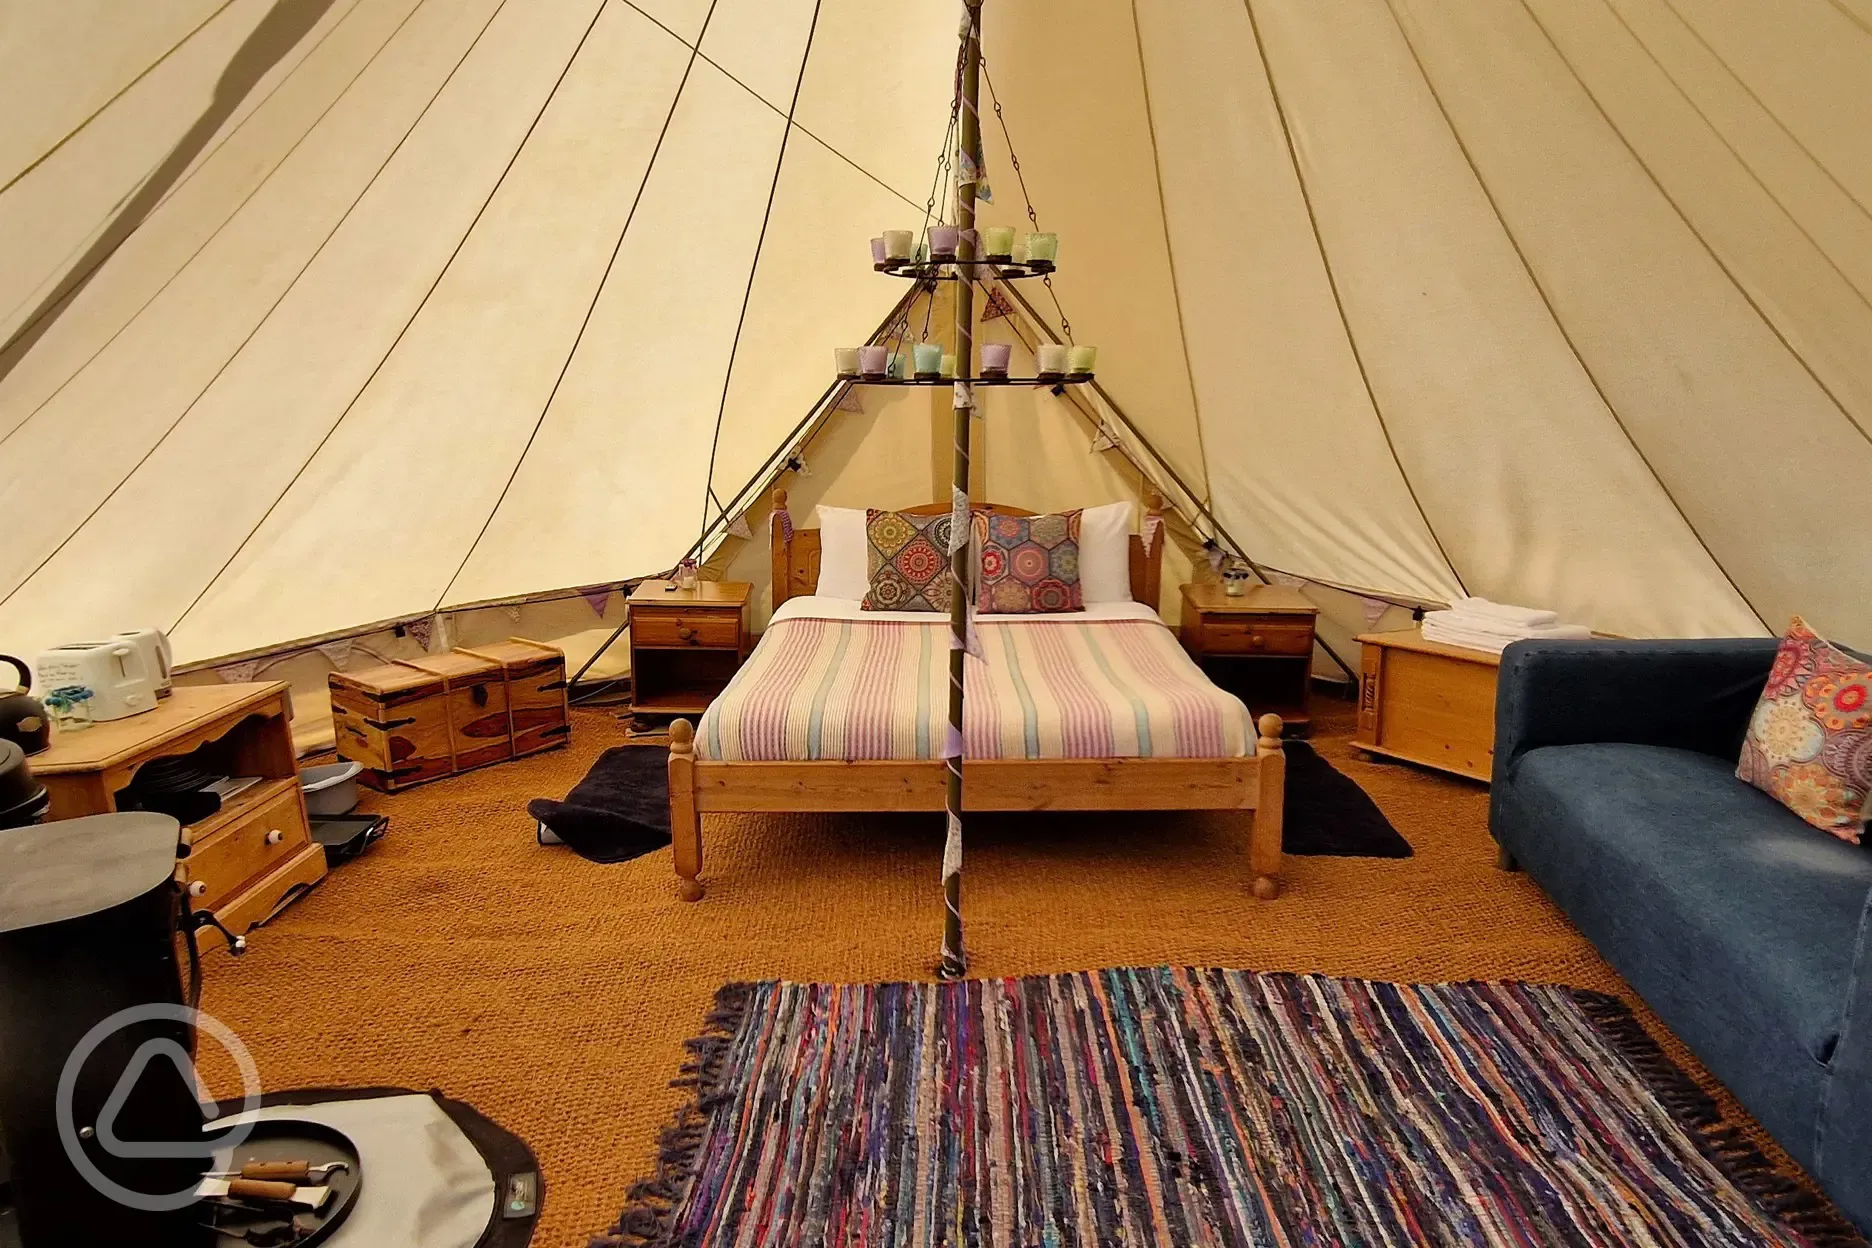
x,y
338,653
596,599
422,630
241,673
738,527
997,306
512,612
850,401
1374,610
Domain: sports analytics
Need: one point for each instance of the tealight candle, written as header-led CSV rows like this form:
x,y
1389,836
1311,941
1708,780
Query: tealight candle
x,y
948,365
1052,359
896,365
943,239
994,358
1043,247
845,359
1020,251
898,244
1080,361
873,361
877,250
998,241
928,359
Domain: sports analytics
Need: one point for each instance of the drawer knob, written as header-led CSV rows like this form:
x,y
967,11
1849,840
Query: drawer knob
x,y
275,837
197,888
686,633
1256,639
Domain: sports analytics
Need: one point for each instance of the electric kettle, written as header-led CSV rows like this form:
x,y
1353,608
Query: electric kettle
x,y
22,719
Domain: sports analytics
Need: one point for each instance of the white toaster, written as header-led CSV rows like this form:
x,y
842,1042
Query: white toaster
x,y
155,648
116,673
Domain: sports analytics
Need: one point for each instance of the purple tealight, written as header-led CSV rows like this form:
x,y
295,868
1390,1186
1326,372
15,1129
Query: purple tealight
x,y
872,361
943,240
877,250
994,358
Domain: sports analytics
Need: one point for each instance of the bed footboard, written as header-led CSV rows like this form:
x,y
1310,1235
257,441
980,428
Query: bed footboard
x,y
1257,784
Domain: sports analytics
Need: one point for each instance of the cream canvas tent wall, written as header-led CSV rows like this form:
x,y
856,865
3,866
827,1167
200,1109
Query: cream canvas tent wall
x,y
327,314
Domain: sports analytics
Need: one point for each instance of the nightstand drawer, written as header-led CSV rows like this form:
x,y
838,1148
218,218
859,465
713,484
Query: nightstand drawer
x,y
232,857
714,629
1252,636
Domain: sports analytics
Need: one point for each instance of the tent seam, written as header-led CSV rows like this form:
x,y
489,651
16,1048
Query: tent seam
x,y
1696,233
1176,286
198,163
1554,315
310,261
1722,138
1762,104
1332,283
696,47
205,243
598,290
103,108
760,244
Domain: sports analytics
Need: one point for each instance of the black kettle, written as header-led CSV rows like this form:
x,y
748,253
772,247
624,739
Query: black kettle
x,y
22,718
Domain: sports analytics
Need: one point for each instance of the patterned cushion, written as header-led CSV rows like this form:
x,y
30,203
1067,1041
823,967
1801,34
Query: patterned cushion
x,y
1029,564
1809,743
908,558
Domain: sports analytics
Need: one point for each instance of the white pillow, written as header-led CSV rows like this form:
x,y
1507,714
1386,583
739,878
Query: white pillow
x,y
844,562
1105,553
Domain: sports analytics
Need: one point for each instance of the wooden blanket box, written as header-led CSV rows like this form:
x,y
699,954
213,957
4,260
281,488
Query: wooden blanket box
x,y
417,720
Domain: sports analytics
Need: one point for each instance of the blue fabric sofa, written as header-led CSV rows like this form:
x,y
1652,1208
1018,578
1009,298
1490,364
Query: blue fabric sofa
x,y
1748,931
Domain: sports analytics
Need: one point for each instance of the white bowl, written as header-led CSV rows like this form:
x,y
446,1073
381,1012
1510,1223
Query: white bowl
x,y
330,789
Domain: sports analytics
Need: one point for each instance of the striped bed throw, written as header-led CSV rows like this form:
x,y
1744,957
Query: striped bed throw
x,y
848,690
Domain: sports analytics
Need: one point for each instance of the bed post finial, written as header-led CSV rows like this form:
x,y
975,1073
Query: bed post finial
x,y
685,821
1271,728
1153,503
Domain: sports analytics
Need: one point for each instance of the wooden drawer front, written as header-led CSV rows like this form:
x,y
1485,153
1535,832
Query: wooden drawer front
x,y
478,713
715,629
232,858
536,698
1252,636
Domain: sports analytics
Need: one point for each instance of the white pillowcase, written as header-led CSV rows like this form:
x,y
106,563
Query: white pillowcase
x,y
1105,553
844,563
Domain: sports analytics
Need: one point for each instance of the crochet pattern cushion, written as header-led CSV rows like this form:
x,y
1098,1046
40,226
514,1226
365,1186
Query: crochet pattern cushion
x,y
1029,564
1809,743
908,562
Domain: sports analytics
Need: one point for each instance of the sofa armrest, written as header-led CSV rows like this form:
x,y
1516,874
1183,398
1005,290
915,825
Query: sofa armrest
x,y
1693,694
1845,1132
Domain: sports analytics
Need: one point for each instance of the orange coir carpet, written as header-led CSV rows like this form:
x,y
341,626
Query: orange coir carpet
x,y
554,994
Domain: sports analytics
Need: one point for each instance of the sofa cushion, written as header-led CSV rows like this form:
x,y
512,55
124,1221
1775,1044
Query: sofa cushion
x,y
1809,743
1723,910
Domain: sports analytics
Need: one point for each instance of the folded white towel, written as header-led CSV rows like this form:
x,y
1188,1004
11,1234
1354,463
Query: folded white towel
x,y
1457,633
1529,617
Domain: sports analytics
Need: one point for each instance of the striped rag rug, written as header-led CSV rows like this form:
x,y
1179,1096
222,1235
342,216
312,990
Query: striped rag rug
x,y
1194,1107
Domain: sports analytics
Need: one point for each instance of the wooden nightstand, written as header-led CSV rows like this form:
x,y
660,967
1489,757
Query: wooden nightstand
x,y
1259,646
686,644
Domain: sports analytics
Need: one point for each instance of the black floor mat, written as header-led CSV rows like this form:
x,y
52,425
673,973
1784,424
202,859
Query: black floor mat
x,y
1327,812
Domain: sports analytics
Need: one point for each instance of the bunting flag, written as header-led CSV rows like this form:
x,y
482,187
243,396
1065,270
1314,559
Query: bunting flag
x,y
850,401
422,630
1374,610
512,612
239,673
738,527
997,305
596,599
1106,439
338,653
1286,578
1153,527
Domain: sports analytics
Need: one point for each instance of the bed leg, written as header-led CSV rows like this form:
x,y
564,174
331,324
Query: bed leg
x,y
685,822
1264,841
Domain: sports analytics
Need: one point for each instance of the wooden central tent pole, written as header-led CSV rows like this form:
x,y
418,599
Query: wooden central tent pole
x,y
954,960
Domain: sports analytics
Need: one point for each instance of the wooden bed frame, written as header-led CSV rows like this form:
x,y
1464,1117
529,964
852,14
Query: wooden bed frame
x,y
698,786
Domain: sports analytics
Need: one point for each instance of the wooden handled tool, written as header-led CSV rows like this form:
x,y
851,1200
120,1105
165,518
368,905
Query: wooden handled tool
x,y
264,1190
289,1171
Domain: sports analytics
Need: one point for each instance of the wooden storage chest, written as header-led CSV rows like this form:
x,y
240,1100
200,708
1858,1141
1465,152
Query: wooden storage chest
x,y
393,719
536,692
1428,703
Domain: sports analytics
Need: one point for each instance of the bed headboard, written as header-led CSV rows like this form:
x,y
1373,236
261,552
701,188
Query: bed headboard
x,y
796,559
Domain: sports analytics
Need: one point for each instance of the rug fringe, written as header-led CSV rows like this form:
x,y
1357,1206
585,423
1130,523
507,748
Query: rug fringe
x,y
1811,1216
649,1216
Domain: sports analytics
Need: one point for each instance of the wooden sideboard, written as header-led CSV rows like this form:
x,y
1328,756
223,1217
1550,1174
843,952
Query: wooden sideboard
x,y
254,854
